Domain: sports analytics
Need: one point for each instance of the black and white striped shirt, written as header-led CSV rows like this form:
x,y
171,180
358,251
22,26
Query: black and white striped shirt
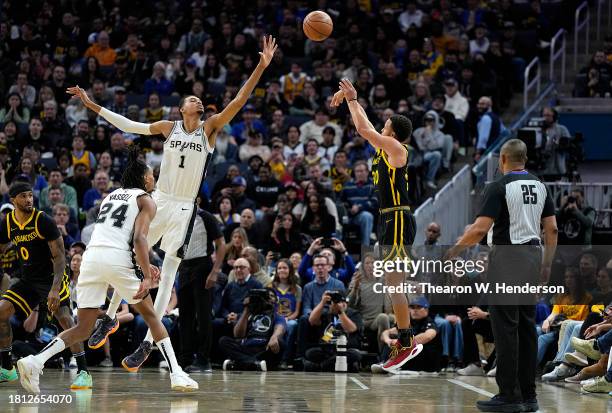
x,y
517,202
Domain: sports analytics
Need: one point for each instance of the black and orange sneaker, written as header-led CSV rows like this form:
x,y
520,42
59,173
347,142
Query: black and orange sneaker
x,y
133,362
104,328
400,355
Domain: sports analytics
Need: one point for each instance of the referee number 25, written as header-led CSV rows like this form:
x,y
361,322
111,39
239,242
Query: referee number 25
x,y
529,194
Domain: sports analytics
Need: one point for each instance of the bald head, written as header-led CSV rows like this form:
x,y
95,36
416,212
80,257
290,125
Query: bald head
x,y
513,155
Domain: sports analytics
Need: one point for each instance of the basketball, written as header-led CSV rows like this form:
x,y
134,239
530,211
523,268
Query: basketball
x,y
318,26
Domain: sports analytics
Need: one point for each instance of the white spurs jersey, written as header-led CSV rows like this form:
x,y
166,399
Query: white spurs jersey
x,y
114,227
185,159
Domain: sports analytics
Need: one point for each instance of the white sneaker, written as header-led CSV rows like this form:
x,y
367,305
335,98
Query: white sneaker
x,y
228,365
73,363
576,358
559,373
471,370
163,365
377,368
29,373
263,366
180,381
492,372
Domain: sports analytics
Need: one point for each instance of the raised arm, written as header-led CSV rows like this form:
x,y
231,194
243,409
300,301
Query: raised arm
x,y
219,120
397,155
162,127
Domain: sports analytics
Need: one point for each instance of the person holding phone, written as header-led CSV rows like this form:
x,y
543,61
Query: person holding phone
x,y
331,248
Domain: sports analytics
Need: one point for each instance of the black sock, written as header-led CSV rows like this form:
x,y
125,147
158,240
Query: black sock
x,y
405,337
7,360
81,362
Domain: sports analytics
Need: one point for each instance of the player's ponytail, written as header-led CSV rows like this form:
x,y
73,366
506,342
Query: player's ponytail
x,y
133,176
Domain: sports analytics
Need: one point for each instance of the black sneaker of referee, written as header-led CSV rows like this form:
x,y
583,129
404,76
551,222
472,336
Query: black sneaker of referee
x,y
499,404
133,362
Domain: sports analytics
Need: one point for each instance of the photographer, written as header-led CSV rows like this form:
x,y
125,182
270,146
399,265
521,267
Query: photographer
x,y
555,137
575,220
259,334
327,247
330,319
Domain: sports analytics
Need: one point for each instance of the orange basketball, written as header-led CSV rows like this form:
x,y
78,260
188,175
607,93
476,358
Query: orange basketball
x,y
318,26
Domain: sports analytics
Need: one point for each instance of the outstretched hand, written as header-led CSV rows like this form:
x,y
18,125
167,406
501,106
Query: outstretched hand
x,y
337,99
78,92
350,93
269,47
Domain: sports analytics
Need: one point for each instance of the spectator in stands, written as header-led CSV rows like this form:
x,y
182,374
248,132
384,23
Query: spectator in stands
x,y
575,220
55,126
289,296
343,272
26,91
237,241
313,129
554,154
588,272
258,342
312,155
236,291
425,332
79,181
317,221
69,231
80,155
480,44
431,142
459,107
328,147
56,179
489,126
294,147
411,17
14,110
286,236
241,200
100,185
292,84
36,135
227,215
27,171
55,196
316,177
339,172
251,254
600,64
326,322
241,131
360,201
101,50
374,308
254,146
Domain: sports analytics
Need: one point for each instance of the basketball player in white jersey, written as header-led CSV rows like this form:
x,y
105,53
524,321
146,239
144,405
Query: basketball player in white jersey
x,y
118,242
188,147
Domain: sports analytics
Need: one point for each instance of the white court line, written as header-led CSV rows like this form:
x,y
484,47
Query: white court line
x,y
360,384
470,387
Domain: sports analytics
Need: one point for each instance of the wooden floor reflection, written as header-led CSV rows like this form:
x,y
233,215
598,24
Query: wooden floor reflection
x,y
117,391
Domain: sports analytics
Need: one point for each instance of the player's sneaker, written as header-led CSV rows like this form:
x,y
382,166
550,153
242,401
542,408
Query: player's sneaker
x,y
180,381
29,373
82,381
8,375
400,355
104,328
377,368
133,362
228,365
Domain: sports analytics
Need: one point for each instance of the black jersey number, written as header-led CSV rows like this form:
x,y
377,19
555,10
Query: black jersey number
x,y
118,215
530,196
182,164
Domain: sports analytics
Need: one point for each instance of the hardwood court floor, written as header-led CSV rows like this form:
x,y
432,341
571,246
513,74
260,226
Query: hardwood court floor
x,y
117,391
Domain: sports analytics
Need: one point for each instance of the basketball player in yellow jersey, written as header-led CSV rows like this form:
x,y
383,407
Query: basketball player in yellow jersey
x,y
397,226
188,148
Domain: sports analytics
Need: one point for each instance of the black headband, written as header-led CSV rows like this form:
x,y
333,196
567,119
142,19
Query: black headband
x,y
19,187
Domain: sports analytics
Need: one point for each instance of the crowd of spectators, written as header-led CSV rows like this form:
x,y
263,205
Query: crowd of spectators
x,y
290,182
595,79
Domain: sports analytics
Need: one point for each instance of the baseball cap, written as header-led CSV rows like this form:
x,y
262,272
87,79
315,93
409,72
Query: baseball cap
x,y
191,62
119,89
249,108
239,181
78,244
450,82
420,301
6,207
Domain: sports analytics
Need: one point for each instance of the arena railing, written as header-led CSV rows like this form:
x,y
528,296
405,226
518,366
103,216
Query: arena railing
x,y
555,55
579,25
529,84
450,208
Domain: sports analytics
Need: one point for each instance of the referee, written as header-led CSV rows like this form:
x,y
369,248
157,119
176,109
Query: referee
x,y
197,280
515,208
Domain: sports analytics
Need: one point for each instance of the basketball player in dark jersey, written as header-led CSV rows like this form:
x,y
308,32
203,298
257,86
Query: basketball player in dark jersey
x,y
40,249
397,226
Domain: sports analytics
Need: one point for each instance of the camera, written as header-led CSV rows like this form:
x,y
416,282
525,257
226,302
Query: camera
x,y
327,242
571,200
260,300
336,296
